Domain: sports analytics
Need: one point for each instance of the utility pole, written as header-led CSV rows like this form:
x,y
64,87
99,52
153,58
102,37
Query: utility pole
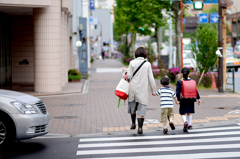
x,y
222,6
181,5
224,46
220,59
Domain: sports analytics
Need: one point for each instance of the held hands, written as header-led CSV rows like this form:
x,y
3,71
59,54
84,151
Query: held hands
x,y
177,102
154,94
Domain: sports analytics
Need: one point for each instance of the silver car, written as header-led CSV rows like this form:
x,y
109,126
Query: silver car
x,y
22,116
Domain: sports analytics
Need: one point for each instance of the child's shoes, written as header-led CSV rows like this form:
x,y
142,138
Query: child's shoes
x,y
165,130
190,127
185,127
171,124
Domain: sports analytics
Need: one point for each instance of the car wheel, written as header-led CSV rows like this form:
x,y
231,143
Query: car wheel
x,y
7,132
236,69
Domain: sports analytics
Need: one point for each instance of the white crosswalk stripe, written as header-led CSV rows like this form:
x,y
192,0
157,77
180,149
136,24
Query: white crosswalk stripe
x,y
219,142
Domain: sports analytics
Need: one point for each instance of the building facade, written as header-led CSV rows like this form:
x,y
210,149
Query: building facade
x,y
36,43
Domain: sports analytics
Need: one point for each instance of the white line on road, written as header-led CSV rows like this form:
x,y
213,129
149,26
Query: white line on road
x,y
158,149
158,137
157,142
214,129
108,70
184,156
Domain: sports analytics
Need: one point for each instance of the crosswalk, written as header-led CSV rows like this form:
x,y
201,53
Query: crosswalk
x,y
217,142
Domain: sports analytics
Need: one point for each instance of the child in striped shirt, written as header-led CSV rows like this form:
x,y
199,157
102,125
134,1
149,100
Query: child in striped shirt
x,y
167,95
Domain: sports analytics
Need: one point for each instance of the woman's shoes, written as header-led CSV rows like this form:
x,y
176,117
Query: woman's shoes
x,y
140,125
133,117
133,126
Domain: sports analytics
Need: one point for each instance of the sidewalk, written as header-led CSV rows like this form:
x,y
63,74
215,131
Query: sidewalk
x,y
97,112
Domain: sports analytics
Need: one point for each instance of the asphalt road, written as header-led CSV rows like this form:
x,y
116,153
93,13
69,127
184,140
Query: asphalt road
x,y
209,142
46,148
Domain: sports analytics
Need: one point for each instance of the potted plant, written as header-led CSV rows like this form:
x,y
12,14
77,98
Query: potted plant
x,y
74,76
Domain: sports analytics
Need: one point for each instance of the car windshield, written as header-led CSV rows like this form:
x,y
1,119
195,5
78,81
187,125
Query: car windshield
x,y
230,57
187,55
229,49
187,47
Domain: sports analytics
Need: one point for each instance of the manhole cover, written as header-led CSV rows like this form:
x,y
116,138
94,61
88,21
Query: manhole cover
x,y
65,117
151,108
222,108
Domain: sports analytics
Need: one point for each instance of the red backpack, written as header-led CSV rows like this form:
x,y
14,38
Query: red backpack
x,y
189,89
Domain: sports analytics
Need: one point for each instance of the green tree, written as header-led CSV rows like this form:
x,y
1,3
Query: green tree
x,y
204,47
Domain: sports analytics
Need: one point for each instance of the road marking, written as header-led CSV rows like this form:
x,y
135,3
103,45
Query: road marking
x,y
158,149
159,137
234,112
184,156
214,129
157,142
108,70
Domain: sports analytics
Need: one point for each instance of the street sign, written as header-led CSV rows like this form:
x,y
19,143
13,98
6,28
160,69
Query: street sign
x,y
93,20
203,18
183,20
92,4
213,17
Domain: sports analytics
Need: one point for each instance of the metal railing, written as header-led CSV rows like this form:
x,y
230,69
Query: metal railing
x,y
233,79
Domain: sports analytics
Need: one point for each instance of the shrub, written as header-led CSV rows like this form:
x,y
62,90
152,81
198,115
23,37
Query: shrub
x,y
195,76
92,59
73,77
128,60
207,80
172,73
74,72
159,73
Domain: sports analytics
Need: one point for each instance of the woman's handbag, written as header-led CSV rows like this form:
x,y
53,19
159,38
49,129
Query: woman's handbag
x,y
122,89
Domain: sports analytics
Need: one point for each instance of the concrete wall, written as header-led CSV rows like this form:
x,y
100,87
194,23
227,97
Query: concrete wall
x,y
22,47
26,3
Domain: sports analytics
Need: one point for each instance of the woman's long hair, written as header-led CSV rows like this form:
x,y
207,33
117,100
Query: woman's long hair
x,y
185,72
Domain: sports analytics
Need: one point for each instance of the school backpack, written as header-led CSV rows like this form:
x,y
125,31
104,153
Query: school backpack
x,y
189,89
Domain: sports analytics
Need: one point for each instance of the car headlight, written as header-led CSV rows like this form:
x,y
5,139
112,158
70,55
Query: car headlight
x,y
24,108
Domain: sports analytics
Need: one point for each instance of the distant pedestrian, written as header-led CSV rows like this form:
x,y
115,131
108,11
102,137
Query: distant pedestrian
x,y
186,104
103,54
138,94
167,95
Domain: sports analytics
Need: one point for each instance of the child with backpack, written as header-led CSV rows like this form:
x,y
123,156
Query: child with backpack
x,y
187,94
167,95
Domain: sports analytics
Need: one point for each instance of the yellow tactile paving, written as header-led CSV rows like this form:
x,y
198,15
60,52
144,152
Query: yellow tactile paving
x,y
110,129
177,121
145,128
232,116
105,129
116,129
122,129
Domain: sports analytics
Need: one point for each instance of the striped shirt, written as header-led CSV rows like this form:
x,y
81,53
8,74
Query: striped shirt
x,y
167,95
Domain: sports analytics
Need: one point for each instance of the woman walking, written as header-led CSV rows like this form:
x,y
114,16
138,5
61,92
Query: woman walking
x,y
140,78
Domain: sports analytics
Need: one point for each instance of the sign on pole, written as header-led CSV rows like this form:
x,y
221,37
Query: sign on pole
x,y
183,20
203,18
213,17
92,5
93,20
